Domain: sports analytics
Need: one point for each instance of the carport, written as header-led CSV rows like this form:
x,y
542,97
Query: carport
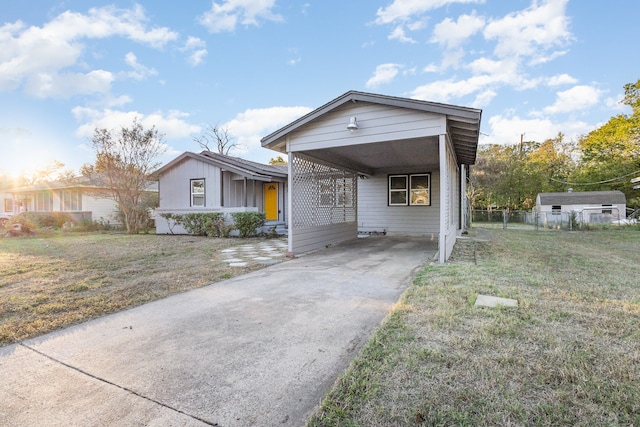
x,y
374,163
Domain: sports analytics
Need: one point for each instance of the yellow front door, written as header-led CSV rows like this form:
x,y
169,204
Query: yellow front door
x,y
271,201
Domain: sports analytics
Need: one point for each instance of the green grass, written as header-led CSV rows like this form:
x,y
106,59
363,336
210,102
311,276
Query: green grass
x,y
568,355
52,282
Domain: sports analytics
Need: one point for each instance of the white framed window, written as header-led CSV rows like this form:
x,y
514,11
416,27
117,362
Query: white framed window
x,y
556,209
197,193
420,186
327,192
410,190
344,192
398,190
8,205
44,201
71,200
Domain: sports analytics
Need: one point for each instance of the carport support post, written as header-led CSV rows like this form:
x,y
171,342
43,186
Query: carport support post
x,y
290,202
442,238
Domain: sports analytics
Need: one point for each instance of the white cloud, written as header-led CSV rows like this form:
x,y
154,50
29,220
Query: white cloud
x,y
399,34
404,10
452,34
45,85
196,49
252,125
139,72
39,56
226,15
531,32
172,124
577,98
561,79
384,73
507,129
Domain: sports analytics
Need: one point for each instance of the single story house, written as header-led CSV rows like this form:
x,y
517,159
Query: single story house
x,y
370,162
587,206
213,182
78,198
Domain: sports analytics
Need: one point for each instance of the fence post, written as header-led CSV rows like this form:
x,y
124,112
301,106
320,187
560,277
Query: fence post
x,y
504,219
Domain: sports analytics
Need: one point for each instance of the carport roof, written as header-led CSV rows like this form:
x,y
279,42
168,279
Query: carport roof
x,y
463,122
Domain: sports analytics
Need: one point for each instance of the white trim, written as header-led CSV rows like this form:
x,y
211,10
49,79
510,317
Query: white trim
x,y
444,177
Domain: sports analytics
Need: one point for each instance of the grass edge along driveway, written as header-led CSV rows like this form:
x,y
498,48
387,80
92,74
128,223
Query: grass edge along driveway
x,y
568,355
49,283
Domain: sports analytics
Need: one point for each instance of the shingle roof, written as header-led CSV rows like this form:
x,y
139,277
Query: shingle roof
x,y
583,198
242,167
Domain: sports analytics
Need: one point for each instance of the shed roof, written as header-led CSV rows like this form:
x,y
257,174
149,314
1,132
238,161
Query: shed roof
x,y
463,122
583,198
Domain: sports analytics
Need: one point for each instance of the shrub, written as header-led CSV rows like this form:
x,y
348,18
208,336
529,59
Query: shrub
x,y
248,222
209,224
27,221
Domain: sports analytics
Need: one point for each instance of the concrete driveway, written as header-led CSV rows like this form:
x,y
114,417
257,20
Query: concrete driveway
x,y
261,349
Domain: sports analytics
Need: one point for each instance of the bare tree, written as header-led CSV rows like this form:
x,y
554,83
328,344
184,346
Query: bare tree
x,y
218,137
124,161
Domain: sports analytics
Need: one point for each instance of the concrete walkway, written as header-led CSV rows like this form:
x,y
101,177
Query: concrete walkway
x,y
261,349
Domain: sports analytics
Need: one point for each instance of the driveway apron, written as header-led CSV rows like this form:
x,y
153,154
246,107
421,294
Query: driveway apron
x,y
260,349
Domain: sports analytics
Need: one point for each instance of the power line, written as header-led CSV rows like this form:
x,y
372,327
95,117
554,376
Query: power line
x,y
595,183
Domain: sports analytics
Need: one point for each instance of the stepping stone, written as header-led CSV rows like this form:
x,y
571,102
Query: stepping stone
x,y
489,301
270,261
234,260
228,251
262,258
238,264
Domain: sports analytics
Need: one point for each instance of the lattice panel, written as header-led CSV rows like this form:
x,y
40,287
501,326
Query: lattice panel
x,y
321,194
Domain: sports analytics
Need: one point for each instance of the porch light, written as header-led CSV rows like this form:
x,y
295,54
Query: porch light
x,y
353,125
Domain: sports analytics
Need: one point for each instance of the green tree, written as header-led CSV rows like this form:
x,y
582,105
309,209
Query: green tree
x,y
610,155
124,161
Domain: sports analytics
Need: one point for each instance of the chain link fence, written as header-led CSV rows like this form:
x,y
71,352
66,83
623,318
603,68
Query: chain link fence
x,y
576,220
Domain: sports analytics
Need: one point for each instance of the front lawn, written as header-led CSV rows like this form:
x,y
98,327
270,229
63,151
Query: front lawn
x,y
49,283
569,355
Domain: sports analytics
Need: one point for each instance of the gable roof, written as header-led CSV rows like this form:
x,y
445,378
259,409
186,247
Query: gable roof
x,y
463,122
247,168
614,197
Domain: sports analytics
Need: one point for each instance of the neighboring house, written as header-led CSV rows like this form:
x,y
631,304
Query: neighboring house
x,y
586,206
77,197
368,162
212,182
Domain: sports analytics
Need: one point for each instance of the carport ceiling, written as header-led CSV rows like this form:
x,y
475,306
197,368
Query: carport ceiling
x,y
407,156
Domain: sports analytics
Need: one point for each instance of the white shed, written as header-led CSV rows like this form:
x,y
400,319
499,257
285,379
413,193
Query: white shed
x,y
372,162
588,206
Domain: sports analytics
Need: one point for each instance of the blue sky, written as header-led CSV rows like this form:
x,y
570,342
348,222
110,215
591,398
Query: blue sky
x,y
534,67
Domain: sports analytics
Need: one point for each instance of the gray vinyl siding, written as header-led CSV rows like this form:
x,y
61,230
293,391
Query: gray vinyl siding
x,y
374,214
100,208
376,123
309,239
175,184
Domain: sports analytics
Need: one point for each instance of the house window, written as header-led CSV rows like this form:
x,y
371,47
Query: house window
x,y
327,192
44,202
344,193
420,186
556,209
71,200
8,205
197,193
410,190
607,209
336,192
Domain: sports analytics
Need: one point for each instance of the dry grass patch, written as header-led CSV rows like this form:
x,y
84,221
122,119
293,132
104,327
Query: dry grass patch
x,y
49,283
569,355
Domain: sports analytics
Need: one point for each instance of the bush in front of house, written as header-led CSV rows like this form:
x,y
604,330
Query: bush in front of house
x,y
247,223
209,224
